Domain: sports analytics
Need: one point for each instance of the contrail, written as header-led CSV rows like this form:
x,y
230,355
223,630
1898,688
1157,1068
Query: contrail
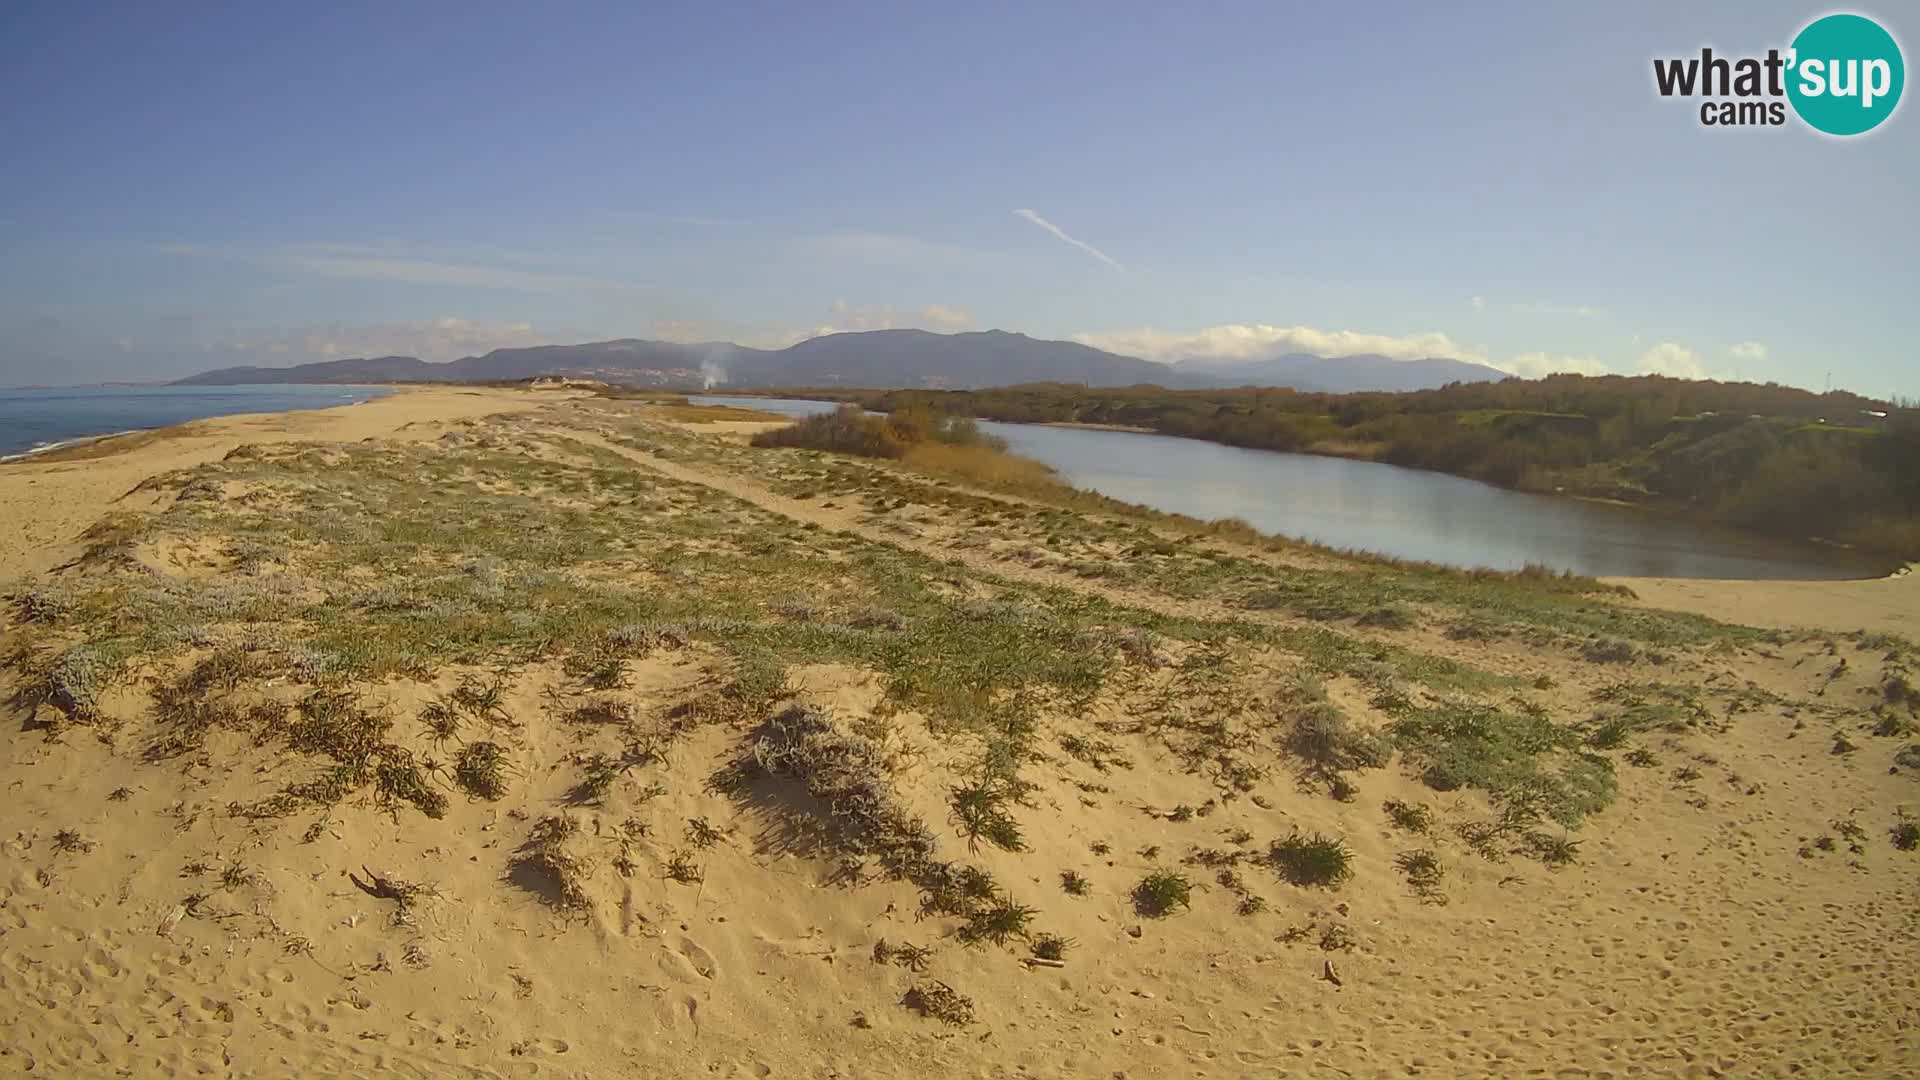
x,y
1056,230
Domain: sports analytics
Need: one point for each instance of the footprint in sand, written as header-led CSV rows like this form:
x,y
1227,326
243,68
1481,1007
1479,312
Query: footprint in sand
x,y
694,958
102,966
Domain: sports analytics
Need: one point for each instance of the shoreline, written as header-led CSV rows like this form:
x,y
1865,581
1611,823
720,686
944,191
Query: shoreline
x,y
76,442
1076,425
63,444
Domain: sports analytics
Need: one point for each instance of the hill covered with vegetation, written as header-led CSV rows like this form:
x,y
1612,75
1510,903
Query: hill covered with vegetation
x,y
1766,457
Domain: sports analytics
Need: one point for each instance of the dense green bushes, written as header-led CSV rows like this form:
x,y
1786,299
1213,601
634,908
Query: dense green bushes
x,y
846,430
849,430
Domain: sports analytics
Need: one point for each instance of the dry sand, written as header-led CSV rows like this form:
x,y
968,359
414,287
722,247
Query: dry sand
x,y
1889,605
1691,939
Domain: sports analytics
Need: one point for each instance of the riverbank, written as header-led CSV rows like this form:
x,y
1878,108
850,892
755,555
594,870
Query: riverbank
x,y
1072,426
1740,456
499,733
1397,512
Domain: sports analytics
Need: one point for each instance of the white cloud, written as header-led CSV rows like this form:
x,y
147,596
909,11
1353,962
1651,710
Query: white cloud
x,y
1259,341
942,317
1479,303
1675,361
1061,233
1749,350
1535,364
346,262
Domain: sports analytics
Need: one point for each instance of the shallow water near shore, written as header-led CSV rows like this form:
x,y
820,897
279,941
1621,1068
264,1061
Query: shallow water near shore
x,y
1390,510
41,419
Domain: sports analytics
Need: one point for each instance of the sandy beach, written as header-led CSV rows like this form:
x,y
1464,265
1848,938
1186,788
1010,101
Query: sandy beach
x,y
250,834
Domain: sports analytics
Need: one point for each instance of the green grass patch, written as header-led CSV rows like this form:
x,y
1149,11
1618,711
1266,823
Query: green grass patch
x,y
1507,755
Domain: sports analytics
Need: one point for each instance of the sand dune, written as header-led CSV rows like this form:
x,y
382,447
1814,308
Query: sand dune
x,y
47,500
162,914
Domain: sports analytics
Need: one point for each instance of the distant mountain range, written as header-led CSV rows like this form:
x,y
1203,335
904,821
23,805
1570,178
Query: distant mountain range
x,y
873,359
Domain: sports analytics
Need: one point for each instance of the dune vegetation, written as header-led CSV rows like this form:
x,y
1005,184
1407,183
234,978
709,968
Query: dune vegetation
x,y
589,737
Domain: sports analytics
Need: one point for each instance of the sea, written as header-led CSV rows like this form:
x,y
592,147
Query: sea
x,y
36,420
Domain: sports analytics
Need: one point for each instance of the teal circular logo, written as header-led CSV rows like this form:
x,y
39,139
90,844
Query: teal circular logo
x,y
1844,74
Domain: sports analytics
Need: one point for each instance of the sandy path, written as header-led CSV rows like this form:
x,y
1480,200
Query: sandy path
x,y
46,502
846,519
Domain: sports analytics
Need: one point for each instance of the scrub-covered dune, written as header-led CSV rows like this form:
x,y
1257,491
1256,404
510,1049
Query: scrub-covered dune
x,y
497,734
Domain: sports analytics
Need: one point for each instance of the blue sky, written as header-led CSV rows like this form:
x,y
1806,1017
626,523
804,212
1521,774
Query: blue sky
x,y
190,186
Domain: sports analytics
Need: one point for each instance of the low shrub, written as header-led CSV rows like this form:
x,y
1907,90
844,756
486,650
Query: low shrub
x,y
1160,892
1424,873
846,430
937,1001
1413,817
481,769
1314,861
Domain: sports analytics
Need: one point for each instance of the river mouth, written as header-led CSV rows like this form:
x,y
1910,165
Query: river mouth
x,y
1399,512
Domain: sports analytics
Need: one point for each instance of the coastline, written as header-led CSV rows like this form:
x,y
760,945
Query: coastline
x,y
63,444
93,437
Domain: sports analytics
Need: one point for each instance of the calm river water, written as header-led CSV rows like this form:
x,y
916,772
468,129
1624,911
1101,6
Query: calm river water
x,y
1407,513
